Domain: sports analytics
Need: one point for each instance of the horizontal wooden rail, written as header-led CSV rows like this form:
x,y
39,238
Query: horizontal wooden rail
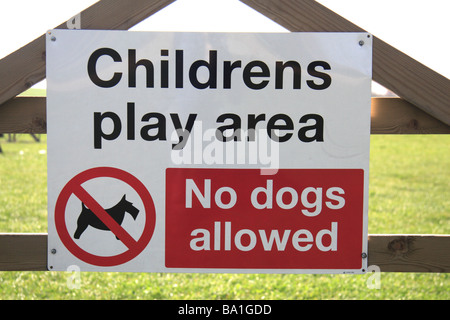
x,y
389,116
397,116
24,115
410,253
23,251
391,253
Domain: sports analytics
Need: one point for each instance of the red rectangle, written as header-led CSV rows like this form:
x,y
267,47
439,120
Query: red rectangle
x,y
240,219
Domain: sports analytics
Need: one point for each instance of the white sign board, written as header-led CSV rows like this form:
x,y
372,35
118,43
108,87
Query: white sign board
x,y
208,152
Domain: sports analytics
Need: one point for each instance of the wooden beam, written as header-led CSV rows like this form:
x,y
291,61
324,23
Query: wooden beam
x,y
410,253
392,253
25,67
397,116
23,251
23,115
393,69
389,116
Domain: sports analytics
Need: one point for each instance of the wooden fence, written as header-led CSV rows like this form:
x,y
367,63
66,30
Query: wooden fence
x,y
423,107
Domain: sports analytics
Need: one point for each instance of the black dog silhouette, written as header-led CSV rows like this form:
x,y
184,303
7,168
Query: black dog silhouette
x,y
88,218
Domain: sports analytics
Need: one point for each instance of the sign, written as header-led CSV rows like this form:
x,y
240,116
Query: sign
x,y
102,218
208,152
298,218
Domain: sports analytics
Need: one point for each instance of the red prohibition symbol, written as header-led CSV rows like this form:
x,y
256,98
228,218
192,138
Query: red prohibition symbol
x,y
74,187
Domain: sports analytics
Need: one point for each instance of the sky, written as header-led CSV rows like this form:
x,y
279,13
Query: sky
x,y
419,28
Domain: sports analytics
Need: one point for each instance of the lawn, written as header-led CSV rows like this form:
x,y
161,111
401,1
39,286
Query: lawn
x,y
409,193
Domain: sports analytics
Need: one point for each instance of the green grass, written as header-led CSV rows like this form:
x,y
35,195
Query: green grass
x,y
409,193
23,185
409,184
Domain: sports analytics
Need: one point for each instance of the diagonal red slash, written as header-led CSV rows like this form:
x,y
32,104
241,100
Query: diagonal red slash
x,y
98,210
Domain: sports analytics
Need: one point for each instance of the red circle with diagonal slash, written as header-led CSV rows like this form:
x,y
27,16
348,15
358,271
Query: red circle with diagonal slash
x,y
73,187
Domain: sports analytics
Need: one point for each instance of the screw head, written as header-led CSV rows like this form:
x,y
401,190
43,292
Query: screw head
x,y
361,43
363,255
53,251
